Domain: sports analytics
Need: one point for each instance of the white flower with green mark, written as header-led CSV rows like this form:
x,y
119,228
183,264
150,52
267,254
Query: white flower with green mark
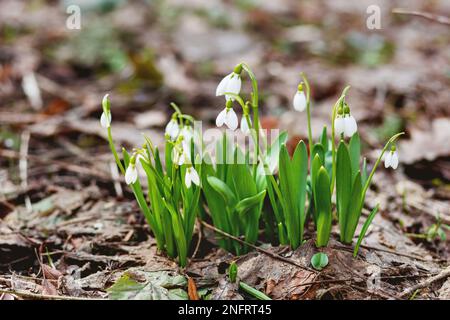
x,y
230,84
131,174
391,159
191,177
172,128
299,101
345,123
228,117
106,117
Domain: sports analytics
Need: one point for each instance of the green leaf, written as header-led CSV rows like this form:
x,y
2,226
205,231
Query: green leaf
x,y
324,217
252,291
364,229
343,185
324,139
319,261
160,285
223,189
354,210
355,153
248,203
274,151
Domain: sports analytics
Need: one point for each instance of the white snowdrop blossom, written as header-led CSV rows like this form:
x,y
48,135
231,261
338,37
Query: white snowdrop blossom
x,y
339,125
182,155
191,177
105,119
187,133
350,126
244,125
131,174
228,117
173,129
230,84
391,159
299,101
345,123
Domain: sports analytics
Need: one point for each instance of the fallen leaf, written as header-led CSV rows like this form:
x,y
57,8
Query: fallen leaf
x,y
192,290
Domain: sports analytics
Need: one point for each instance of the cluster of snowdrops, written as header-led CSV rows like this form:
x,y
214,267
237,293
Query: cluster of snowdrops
x,y
243,191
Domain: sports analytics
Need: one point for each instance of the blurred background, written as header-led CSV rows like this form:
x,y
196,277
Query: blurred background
x,y
148,53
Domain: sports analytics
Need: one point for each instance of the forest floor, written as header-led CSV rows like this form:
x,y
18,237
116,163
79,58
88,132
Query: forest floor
x,y
69,225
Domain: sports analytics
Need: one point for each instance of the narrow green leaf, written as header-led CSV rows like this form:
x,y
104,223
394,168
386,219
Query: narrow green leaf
x,y
354,210
323,201
355,153
252,291
343,185
248,203
364,229
324,139
222,188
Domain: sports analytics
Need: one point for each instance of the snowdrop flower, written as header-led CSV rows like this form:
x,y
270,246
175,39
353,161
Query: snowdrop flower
x,y
106,117
182,154
131,174
230,84
172,128
187,133
227,116
299,101
244,125
345,123
191,176
391,159
105,120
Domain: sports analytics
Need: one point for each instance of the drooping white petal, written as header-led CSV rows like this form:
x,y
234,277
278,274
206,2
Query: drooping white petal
x,y
187,133
339,125
194,176
173,129
131,174
244,125
231,119
223,85
220,120
187,178
299,102
388,160
394,160
105,121
350,126
233,85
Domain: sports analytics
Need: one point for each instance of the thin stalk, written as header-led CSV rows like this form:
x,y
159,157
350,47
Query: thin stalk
x,y
333,138
308,110
114,152
255,100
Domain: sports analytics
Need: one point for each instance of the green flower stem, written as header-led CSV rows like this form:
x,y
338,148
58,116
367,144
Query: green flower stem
x,y
308,111
255,100
369,179
333,138
114,152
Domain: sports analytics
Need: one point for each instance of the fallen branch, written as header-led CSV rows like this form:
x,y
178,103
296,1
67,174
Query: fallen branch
x,y
267,252
442,275
425,15
30,295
